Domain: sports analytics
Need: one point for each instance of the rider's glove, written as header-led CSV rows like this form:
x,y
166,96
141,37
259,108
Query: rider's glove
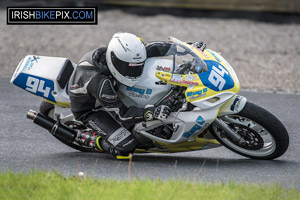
x,y
149,112
200,45
160,112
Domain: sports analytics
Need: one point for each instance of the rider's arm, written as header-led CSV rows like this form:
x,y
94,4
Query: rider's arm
x,y
101,87
128,113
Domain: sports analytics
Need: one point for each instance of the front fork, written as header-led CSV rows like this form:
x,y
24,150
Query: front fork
x,y
231,107
228,130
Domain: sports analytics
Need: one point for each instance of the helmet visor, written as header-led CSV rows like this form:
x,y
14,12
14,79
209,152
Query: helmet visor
x,y
129,70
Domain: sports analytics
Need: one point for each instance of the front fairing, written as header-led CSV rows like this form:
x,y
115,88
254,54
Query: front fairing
x,y
217,80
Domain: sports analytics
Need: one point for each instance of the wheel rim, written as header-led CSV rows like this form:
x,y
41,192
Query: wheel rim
x,y
265,142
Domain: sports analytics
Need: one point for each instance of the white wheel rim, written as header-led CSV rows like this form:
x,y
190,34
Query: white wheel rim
x,y
269,142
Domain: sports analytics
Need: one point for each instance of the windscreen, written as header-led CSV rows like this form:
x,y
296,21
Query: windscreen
x,y
183,55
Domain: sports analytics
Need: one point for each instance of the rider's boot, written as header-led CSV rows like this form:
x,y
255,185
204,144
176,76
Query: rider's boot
x,y
115,139
90,139
105,146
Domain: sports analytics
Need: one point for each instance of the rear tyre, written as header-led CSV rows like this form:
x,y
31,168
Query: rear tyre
x,y
266,137
47,109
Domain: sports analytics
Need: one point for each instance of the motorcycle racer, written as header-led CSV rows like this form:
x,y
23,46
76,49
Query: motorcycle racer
x,y
197,84
93,91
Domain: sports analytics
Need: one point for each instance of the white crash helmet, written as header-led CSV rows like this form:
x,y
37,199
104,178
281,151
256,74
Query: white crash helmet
x,y
125,56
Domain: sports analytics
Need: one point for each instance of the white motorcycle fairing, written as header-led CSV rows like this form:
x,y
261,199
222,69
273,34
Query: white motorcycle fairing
x,y
46,77
198,85
147,90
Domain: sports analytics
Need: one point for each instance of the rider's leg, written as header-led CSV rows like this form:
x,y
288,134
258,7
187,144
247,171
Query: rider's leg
x,y
115,139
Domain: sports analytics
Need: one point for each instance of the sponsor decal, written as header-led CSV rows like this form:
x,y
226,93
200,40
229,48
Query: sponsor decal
x,y
197,97
197,128
27,63
136,95
138,90
200,120
135,64
139,93
191,78
52,15
39,86
118,136
161,68
179,79
138,56
149,116
184,82
217,78
176,78
35,58
30,62
108,97
131,141
197,94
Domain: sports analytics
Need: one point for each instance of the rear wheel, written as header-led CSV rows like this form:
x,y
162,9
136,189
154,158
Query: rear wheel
x,y
47,109
264,135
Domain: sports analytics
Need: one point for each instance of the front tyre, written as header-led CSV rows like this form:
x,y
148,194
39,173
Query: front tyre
x,y
264,135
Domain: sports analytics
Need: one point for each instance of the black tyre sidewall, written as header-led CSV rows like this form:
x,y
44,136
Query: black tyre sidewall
x,y
267,121
46,107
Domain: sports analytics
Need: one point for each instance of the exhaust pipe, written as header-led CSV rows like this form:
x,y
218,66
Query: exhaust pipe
x,y
57,129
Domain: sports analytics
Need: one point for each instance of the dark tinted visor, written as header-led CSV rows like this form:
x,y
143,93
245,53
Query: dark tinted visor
x,y
129,70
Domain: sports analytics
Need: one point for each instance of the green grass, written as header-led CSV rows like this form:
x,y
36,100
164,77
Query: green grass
x,y
51,185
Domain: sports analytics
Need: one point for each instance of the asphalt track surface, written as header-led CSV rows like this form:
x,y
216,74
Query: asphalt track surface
x,y
25,146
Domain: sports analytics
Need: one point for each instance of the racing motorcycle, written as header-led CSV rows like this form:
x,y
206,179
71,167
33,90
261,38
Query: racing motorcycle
x,y
199,86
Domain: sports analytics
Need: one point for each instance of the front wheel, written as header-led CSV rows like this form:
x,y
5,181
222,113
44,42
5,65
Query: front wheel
x,y
264,135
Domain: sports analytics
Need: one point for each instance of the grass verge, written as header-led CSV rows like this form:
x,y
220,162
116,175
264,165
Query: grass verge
x,y
52,185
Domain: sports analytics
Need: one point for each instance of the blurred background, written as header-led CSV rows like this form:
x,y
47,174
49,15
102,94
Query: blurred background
x,y
260,38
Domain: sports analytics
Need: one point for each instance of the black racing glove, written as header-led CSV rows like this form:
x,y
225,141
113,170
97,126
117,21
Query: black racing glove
x,y
160,112
200,45
149,112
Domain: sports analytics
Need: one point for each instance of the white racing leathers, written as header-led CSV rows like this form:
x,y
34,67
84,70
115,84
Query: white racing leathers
x,y
94,100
